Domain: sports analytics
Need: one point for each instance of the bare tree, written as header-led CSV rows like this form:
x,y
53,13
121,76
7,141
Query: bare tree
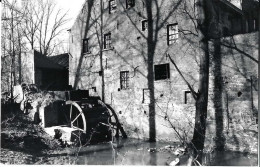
x,y
48,31
43,24
31,23
12,43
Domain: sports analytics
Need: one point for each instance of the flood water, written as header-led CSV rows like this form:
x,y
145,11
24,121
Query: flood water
x,y
138,152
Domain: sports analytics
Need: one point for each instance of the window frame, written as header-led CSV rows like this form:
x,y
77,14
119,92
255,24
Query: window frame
x,y
144,25
112,9
157,73
174,34
188,98
124,80
107,41
146,96
85,46
186,93
131,4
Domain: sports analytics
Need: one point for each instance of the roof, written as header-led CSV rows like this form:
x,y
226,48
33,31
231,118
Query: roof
x,y
42,61
62,59
230,6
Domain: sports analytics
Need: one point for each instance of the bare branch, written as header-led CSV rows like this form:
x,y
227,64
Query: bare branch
x,y
194,94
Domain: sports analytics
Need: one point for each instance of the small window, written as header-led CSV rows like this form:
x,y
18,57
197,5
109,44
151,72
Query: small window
x,y
112,6
107,41
85,46
172,33
146,96
187,97
161,71
124,79
144,25
130,3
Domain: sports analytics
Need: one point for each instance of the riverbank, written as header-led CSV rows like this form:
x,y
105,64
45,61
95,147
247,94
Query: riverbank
x,y
24,142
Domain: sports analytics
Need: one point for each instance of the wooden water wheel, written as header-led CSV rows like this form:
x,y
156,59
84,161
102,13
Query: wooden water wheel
x,y
114,121
74,116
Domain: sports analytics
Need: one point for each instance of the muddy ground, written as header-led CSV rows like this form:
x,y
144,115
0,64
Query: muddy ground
x,y
23,141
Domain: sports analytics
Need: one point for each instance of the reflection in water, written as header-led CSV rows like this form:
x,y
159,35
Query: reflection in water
x,y
231,158
137,152
124,152
153,157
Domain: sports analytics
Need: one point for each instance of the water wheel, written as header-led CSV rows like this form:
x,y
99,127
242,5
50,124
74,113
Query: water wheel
x,y
115,125
74,116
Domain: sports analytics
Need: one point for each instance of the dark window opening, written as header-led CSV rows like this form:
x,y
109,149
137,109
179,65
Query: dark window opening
x,y
161,71
107,41
172,33
94,89
130,3
85,46
144,25
124,79
100,73
112,6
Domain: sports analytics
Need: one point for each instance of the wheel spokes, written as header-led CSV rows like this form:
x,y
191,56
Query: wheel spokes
x,y
75,118
77,128
70,111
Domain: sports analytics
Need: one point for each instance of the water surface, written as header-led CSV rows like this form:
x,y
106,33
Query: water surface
x,y
138,152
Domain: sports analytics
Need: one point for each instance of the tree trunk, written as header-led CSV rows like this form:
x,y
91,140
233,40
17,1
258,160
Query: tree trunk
x,y
150,75
20,59
202,98
201,103
152,124
218,95
101,54
258,61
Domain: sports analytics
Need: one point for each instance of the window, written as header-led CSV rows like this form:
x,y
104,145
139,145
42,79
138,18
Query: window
x,y
112,6
172,33
161,71
85,46
187,97
130,3
107,41
144,25
124,79
146,96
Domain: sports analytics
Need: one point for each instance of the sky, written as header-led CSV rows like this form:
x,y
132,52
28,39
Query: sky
x,y
72,6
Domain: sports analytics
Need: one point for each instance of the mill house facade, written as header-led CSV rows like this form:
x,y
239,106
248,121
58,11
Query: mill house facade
x,y
108,56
